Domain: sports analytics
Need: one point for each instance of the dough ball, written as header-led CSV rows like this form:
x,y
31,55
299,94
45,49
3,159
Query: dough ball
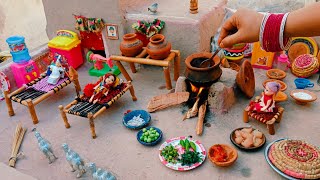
x,y
257,134
238,140
257,141
247,130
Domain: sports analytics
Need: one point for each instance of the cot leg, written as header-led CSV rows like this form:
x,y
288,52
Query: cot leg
x,y
9,103
245,116
132,67
133,95
64,117
93,131
32,111
166,71
280,115
77,86
271,129
176,66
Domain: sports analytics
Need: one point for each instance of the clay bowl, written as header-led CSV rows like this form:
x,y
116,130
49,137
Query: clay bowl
x,y
232,155
283,86
276,74
300,100
280,97
233,136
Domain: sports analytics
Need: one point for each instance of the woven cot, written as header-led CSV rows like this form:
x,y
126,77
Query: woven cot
x,y
268,118
83,108
37,91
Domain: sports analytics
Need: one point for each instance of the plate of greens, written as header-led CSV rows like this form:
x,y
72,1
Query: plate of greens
x,y
182,153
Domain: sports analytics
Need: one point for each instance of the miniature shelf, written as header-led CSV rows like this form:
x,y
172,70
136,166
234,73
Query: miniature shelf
x,y
143,58
35,97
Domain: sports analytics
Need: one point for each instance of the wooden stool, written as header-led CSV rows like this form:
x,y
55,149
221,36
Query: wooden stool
x,y
259,116
143,58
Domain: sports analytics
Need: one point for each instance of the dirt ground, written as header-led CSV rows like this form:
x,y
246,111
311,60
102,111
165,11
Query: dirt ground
x,y
116,148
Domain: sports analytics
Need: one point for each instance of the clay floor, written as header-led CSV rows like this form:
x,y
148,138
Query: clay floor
x,y
117,149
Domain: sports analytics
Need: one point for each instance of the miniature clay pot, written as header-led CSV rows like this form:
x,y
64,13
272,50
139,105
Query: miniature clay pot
x,y
231,152
131,46
158,47
202,76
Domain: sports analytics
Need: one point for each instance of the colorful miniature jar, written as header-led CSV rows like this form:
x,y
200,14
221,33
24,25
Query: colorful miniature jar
x,y
131,46
283,62
18,49
158,47
235,54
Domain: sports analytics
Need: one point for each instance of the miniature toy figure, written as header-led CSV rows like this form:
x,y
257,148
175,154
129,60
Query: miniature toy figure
x,y
57,72
266,103
100,174
99,60
75,161
101,90
153,8
44,146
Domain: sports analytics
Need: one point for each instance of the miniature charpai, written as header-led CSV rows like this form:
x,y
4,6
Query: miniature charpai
x,y
295,158
182,154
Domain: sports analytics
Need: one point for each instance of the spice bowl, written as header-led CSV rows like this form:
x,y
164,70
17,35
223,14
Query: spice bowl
x,y
128,119
232,155
302,96
152,143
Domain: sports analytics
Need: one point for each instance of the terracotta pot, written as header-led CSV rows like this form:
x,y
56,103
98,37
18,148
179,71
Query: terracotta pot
x,y
131,46
202,76
158,47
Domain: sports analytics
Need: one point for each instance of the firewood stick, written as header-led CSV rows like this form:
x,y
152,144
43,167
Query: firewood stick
x,y
193,111
201,116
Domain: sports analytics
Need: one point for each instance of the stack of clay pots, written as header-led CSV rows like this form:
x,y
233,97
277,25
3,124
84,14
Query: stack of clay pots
x,y
305,65
236,53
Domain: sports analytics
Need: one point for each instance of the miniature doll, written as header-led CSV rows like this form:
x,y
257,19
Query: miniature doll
x,y
266,103
102,88
57,72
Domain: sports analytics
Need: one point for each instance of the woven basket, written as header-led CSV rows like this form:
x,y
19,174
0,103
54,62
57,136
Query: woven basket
x,y
305,65
296,158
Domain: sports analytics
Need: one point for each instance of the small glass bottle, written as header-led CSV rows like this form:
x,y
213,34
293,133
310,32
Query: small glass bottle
x,y
283,62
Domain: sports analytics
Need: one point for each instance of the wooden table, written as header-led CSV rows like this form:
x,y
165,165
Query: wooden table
x,y
143,58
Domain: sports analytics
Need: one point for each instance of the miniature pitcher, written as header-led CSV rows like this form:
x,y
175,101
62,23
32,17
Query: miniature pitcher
x,y
283,62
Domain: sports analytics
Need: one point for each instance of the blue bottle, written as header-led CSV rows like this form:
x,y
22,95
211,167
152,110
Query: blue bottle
x,y
18,49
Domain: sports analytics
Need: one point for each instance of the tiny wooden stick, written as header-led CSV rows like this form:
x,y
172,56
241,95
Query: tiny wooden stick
x,y
201,116
193,111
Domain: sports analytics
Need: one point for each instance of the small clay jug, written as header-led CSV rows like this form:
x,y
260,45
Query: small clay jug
x,y
131,46
158,47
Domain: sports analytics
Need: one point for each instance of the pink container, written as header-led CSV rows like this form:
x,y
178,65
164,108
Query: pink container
x,y
25,73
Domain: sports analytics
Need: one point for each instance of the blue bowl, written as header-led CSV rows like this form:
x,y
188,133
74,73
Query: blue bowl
x,y
144,115
139,134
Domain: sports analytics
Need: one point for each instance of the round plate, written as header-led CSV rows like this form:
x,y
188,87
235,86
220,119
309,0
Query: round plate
x,y
232,137
303,101
245,79
4,85
266,152
139,134
178,167
302,45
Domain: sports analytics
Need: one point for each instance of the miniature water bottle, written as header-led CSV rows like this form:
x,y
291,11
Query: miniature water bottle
x,y
18,49
283,62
